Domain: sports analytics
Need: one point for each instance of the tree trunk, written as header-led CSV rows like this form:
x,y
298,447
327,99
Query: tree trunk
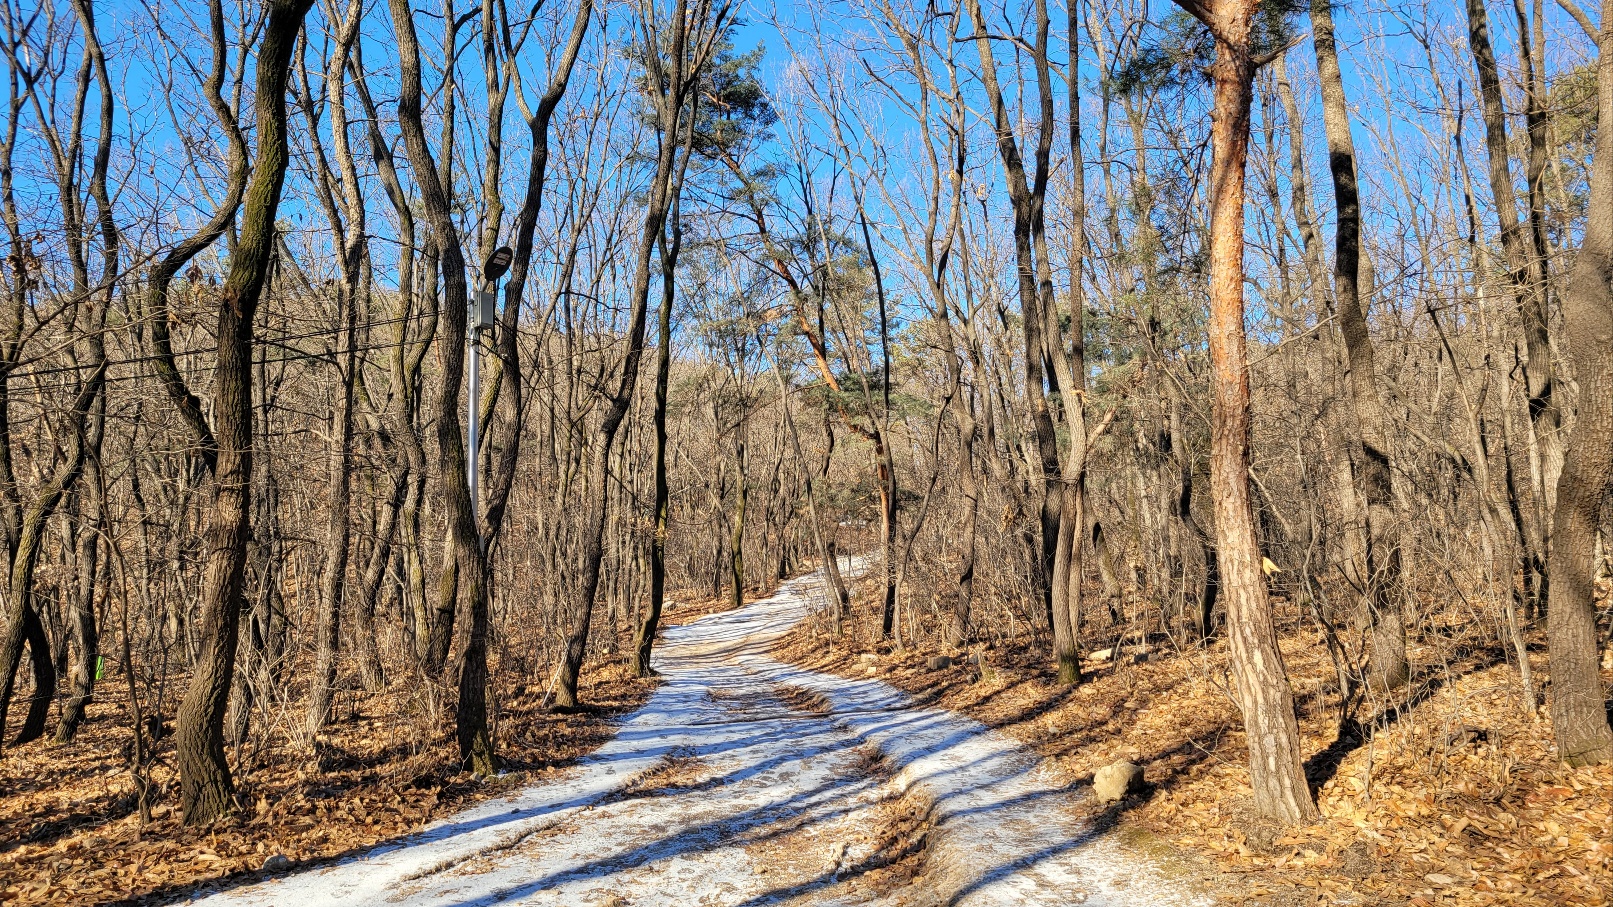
x,y
85,632
206,790
463,584
94,523
963,605
673,76
333,574
1379,606
736,539
1578,703
347,222
1544,411
644,637
1068,563
1276,768
23,624
1026,202
1526,274
370,670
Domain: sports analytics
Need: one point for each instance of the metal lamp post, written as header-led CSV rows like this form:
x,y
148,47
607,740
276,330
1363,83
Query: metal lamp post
x,y
483,315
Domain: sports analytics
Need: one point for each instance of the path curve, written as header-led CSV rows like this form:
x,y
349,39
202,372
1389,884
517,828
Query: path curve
x,y
745,781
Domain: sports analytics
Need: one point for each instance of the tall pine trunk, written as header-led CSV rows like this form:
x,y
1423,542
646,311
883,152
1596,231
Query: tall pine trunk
x,y
1276,768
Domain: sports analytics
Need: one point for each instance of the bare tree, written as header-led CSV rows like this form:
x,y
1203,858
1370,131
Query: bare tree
x,y
1527,281
1028,198
346,219
674,53
1379,607
1578,706
204,774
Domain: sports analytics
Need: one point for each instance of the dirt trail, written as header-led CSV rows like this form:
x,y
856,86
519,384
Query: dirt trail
x,y
745,781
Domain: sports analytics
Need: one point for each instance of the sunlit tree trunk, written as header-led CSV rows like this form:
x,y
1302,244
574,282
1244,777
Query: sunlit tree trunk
x,y
688,36
1276,768
1526,276
1578,705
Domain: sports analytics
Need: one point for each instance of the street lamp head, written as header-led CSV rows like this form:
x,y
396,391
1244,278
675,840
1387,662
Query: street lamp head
x,y
497,263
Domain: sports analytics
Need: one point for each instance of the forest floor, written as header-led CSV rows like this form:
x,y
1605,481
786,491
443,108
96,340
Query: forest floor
x,y
70,832
748,781
1458,797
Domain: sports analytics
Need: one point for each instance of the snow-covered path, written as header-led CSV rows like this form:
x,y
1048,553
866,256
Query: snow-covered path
x,y
745,781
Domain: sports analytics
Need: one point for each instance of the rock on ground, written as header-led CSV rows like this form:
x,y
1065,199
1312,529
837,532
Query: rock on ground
x,y
1113,782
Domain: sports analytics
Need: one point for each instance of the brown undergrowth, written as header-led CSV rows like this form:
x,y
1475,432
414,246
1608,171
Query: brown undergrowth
x,y
1456,798
70,833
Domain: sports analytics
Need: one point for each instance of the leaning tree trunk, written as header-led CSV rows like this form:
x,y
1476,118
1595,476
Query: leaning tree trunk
x,y
1578,706
22,618
206,790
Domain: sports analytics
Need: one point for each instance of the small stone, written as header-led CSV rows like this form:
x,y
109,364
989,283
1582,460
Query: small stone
x,y
277,863
938,662
1101,655
1138,658
1114,781
868,658
872,671
1439,879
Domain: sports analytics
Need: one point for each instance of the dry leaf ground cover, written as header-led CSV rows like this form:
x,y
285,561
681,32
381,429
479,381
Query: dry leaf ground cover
x,y
70,833
1457,798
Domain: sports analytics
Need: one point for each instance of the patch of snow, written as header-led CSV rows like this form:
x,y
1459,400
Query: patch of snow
x,y
718,793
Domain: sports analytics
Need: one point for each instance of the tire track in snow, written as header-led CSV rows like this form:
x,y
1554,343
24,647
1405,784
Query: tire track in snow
x,y
718,793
